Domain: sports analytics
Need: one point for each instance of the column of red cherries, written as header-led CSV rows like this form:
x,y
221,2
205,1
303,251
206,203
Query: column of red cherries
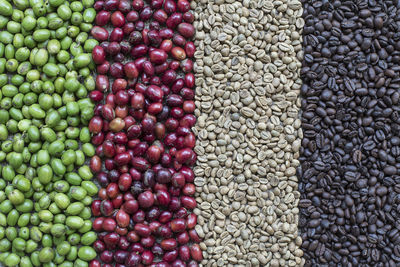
x,y
142,130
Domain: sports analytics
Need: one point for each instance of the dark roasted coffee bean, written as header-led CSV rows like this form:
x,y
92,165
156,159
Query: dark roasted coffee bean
x,y
357,156
390,170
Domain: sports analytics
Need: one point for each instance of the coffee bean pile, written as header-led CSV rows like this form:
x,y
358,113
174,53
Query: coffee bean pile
x,y
350,164
248,84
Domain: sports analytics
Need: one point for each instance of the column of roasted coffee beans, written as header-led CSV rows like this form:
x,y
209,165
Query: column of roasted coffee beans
x,y
350,163
247,67
142,130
